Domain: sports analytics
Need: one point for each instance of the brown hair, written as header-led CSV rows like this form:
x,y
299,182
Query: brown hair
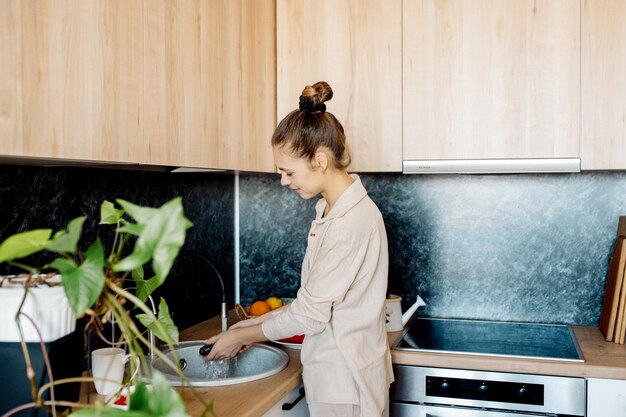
x,y
305,130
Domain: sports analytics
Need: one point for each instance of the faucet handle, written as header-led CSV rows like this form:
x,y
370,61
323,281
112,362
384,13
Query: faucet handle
x,y
224,317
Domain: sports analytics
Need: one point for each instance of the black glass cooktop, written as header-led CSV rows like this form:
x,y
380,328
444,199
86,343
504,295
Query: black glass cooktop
x,y
493,338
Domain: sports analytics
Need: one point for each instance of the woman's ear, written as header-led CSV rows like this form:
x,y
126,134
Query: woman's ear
x,y
320,160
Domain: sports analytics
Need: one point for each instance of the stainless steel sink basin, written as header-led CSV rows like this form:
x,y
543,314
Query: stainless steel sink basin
x,y
260,361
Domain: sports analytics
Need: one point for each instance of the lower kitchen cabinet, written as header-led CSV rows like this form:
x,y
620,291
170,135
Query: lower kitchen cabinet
x,y
606,397
291,405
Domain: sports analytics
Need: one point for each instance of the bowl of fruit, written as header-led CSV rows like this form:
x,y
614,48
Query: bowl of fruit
x,y
260,307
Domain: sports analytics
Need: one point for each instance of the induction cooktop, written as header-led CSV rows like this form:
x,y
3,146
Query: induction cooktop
x,y
492,338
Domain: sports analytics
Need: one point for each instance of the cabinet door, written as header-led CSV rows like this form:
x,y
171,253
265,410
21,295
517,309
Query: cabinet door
x,y
606,398
603,144
354,45
71,79
491,79
210,83
295,402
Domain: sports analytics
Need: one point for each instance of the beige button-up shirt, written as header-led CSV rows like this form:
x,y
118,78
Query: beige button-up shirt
x,y
340,306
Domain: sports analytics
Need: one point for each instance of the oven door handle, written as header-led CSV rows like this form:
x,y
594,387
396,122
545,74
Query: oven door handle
x,y
415,410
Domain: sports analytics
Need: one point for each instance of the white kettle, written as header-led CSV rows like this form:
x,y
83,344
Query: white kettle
x,y
393,312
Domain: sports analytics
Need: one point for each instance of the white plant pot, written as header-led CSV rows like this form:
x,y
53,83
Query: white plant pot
x,y
47,306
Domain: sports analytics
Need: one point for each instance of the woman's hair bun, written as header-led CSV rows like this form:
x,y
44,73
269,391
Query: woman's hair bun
x,y
313,97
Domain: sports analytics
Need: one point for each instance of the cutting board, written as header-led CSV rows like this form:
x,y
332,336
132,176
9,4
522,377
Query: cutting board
x,y
614,293
620,323
613,289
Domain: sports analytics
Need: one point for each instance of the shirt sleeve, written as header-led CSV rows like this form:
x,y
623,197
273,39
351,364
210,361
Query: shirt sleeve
x,y
337,266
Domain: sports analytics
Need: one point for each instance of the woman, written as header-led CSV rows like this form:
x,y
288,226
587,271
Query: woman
x,y
340,304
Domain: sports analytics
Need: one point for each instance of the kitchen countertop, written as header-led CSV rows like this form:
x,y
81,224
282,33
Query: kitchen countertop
x,y
602,360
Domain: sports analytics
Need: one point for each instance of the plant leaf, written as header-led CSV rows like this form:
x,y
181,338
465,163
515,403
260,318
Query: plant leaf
x,y
160,240
165,318
23,244
171,331
83,284
162,401
146,287
109,214
108,412
140,398
139,213
137,274
63,265
134,229
66,241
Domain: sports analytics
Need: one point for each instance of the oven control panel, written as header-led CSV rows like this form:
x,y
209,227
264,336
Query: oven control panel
x,y
485,390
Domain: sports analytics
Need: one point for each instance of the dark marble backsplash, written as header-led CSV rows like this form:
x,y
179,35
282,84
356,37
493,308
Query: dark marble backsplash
x,y
528,247
35,197
531,247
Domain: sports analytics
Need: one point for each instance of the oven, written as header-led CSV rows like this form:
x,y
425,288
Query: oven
x,y
439,392
421,391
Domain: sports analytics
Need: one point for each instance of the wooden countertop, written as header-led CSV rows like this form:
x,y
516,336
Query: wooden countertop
x,y
602,360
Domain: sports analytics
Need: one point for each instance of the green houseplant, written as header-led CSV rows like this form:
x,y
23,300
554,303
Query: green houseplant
x,y
96,285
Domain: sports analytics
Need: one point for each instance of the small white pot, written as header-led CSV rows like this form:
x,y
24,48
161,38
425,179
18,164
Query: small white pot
x,y
47,306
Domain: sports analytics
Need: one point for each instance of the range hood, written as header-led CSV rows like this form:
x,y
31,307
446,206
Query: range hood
x,y
490,166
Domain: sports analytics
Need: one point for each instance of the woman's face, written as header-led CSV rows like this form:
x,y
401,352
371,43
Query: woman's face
x,y
298,174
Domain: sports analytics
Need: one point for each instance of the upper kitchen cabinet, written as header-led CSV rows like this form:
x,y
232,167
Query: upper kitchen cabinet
x,y
71,79
210,83
491,79
356,46
603,144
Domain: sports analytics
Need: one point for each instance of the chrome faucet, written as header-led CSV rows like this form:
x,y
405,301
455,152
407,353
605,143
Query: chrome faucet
x,y
223,315
202,258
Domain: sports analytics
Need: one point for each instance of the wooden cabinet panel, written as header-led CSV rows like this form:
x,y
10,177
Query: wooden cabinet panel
x,y
354,45
10,78
491,79
603,143
72,83
210,83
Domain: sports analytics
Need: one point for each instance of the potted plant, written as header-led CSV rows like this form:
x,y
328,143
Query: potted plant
x,y
96,287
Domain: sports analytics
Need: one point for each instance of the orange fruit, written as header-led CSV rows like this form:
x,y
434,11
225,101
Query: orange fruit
x,y
259,308
274,302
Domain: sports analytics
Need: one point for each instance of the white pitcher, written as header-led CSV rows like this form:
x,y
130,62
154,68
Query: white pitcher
x,y
393,312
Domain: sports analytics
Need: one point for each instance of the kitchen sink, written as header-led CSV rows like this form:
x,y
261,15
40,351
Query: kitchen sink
x,y
260,361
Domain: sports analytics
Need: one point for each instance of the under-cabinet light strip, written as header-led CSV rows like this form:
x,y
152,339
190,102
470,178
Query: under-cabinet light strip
x,y
491,166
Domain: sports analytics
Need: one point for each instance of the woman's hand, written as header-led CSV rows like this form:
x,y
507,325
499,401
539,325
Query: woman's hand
x,y
225,346
229,343
243,324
